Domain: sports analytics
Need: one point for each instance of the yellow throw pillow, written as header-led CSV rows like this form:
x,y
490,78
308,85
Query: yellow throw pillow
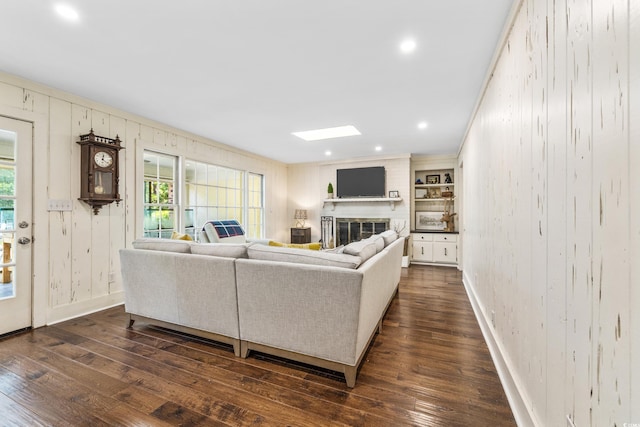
x,y
179,236
311,246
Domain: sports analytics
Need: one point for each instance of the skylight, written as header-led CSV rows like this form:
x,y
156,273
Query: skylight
x,y
327,133
67,12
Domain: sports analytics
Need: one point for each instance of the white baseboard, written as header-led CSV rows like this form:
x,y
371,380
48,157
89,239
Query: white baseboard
x,y
516,401
82,308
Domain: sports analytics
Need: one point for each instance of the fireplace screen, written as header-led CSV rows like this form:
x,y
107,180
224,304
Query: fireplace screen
x,y
354,229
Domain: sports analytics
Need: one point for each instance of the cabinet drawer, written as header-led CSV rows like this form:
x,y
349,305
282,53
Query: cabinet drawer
x,y
445,238
423,251
422,237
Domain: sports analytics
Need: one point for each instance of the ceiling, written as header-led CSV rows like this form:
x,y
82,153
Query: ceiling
x,y
248,73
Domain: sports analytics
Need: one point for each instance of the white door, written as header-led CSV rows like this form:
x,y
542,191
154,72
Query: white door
x,y
15,224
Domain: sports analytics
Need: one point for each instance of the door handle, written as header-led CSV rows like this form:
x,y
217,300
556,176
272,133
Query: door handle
x,y
23,224
24,240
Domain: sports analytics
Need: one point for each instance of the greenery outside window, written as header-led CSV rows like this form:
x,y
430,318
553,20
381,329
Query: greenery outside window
x,y
159,195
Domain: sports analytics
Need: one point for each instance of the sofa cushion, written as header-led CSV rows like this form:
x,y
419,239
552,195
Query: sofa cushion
x,y
389,237
363,249
166,245
226,250
313,246
273,253
378,240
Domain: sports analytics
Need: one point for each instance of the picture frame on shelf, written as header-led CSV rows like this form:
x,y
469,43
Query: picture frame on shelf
x,y
421,193
429,221
394,194
433,179
434,193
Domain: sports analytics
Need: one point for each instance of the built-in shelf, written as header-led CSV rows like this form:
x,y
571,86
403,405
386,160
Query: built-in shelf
x,y
440,199
448,184
391,200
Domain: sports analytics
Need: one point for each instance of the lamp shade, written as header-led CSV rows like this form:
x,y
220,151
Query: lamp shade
x,y
300,216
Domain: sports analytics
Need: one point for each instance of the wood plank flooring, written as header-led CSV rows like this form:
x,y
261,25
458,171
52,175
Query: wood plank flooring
x,y
429,367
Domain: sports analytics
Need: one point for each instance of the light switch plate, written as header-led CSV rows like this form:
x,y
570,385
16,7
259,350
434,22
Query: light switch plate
x,y
60,205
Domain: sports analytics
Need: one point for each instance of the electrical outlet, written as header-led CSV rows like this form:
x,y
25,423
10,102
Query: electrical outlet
x,y
570,421
60,205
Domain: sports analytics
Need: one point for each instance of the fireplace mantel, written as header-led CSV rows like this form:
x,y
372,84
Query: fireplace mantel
x,y
391,200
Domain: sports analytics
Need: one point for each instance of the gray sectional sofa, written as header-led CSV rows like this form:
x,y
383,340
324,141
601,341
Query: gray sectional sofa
x,y
321,308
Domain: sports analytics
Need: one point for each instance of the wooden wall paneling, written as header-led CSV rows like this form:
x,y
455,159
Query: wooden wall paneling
x,y
558,143
634,191
81,227
610,195
11,95
579,215
146,133
538,227
60,159
128,186
35,102
117,220
100,233
520,342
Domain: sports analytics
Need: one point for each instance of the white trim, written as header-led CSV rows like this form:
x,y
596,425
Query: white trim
x,y
516,401
83,308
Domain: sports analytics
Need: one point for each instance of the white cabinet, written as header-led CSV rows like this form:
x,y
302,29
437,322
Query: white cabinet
x,y
422,247
434,248
445,248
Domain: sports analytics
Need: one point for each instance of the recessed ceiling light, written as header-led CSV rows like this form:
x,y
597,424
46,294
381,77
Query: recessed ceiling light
x,y
327,153
67,12
337,132
378,148
408,46
422,125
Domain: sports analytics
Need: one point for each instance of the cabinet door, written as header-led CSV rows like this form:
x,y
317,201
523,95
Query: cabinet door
x,y
423,251
445,252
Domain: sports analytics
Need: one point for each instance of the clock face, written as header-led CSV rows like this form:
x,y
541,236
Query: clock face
x,y
103,159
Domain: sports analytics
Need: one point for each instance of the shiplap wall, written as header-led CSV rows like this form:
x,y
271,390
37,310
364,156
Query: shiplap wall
x,y
552,207
308,188
76,263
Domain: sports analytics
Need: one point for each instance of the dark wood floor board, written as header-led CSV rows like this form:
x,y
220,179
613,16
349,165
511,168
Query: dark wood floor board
x,y
231,386
13,413
53,402
207,380
429,367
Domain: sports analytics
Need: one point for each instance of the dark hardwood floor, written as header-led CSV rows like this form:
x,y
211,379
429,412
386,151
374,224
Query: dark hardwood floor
x,y
429,367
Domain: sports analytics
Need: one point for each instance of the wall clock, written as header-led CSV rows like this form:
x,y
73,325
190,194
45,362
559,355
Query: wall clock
x,y
99,170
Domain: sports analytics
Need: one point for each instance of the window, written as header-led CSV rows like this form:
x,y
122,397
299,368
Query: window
x,y
255,206
217,192
159,194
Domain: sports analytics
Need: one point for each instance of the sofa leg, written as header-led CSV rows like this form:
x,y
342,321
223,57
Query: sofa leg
x,y
131,322
350,373
244,349
237,347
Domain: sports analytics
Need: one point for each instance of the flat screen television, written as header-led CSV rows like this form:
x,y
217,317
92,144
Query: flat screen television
x,y
361,182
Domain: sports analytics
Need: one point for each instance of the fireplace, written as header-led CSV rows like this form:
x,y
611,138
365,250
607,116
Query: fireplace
x,y
353,229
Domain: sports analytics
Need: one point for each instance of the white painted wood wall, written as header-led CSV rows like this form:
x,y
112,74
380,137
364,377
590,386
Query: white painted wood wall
x,y
75,252
551,167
